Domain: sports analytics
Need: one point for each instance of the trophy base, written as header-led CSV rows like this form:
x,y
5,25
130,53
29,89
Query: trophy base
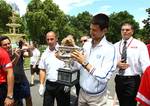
x,y
67,77
70,84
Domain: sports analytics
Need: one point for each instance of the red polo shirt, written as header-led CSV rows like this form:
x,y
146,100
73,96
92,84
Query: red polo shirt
x,y
5,63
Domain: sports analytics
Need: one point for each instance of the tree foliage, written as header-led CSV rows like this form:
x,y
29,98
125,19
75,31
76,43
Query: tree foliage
x,y
37,23
46,16
83,23
5,13
146,30
34,6
79,25
43,17
116,19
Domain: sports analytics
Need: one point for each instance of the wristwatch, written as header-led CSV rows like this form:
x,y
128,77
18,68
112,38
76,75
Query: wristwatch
x,y
85,63
10,97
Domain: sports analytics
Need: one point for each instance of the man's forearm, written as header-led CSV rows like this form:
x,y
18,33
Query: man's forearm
x,y
42,76
15,60
10,82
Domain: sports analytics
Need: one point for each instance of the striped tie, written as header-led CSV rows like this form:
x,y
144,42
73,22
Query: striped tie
x,y
123,56
124,52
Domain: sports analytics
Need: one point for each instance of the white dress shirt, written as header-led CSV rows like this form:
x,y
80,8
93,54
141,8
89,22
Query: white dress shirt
x,y
51,64
137,56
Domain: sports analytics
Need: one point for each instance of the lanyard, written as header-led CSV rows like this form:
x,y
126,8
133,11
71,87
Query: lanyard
x,y
127,46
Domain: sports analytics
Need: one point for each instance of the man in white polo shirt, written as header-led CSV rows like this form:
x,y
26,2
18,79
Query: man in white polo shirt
x,y
49,65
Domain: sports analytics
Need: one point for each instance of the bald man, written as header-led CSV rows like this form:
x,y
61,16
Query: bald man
x,y
48,66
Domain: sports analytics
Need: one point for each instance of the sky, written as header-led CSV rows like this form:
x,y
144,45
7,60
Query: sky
x,y
74,7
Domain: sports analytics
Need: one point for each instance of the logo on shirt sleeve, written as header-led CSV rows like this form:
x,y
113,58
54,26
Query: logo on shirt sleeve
x,y
8,65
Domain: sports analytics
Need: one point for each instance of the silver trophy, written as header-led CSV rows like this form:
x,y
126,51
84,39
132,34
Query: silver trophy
x,y
68,75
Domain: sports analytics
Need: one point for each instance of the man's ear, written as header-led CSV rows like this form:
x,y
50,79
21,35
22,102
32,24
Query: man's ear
x,y
133,32
105,30
56,39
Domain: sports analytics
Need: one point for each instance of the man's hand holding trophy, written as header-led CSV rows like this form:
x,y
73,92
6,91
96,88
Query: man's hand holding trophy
x,y
68,74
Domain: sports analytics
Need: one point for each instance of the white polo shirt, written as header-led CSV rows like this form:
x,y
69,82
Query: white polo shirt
x,y
137,56
51,64
35,56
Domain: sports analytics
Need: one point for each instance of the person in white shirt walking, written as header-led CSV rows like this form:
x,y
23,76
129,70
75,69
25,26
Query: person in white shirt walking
x,y
132,61
98,63
34,62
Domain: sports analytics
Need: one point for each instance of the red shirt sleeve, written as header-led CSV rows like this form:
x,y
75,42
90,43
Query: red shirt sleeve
x,y
5,63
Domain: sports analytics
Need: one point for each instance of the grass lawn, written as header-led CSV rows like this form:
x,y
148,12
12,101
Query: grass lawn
x,y
26,63
27,60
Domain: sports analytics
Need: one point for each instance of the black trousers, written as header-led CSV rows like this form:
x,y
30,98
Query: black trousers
x,y
3,93
126,89
34,70
77,85
54,91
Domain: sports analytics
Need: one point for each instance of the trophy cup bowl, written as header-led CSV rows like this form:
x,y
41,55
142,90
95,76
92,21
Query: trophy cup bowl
x,y
67,75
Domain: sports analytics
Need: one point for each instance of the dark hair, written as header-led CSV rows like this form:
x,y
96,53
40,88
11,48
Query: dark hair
x,y
102,20
35,44
3,37
128,23
20,44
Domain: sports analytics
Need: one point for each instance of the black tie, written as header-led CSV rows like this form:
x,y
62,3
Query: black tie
x,y
123,56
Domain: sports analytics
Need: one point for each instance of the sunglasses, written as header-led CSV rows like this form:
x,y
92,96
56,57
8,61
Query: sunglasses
x,y
50,39
125,29
83,40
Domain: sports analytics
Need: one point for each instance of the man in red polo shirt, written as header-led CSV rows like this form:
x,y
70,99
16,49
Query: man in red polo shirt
x,y
6,79
143,95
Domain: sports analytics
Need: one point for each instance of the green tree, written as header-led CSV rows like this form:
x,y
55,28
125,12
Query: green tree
x,y
116,19
5,13
25,27
83,21
43,17
71,27
57,19
80,24
35,6
37,24
146,29
36,21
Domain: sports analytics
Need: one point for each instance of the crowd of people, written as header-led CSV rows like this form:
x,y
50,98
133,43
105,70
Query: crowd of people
x,y
128,58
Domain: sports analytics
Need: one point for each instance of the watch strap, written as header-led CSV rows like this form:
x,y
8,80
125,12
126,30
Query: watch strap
x,y
85,64
10,97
